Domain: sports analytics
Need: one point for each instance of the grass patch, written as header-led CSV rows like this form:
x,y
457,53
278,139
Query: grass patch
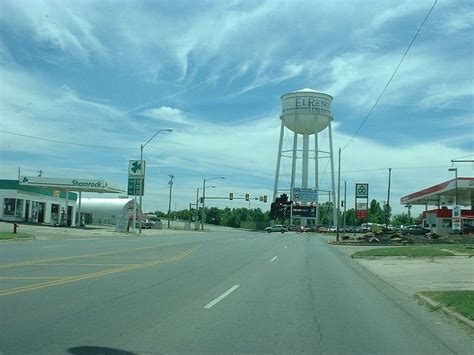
x,y
460,301
11,235
418,251
459,248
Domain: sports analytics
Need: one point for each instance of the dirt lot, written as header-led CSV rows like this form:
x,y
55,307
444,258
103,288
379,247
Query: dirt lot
x,y
411,275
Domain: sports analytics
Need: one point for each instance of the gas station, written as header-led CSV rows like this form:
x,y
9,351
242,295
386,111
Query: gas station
x,y
50,200
453,201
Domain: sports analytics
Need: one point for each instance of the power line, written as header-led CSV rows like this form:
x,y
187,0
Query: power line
x,y
392,76
62,142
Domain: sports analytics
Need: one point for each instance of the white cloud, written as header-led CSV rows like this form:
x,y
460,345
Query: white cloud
x,y
167,114
457,21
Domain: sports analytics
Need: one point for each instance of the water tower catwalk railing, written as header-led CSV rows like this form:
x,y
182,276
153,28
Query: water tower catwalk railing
x,y
305,112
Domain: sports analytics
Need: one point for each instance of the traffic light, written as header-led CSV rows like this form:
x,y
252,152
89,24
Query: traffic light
x,y
231,196
247,197
265,198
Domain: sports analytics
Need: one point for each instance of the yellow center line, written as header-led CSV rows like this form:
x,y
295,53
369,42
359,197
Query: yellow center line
x,y
40,261
32,277
96,274
88,264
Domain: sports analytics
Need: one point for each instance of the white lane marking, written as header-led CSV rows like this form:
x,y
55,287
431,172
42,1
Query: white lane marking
x,y
286,247
274,258
54,246
221,297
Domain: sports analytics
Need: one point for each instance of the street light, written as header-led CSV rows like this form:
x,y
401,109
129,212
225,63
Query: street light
x,y
141,160
204,197
456,182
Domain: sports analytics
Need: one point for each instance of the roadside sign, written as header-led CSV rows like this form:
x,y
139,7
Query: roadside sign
x,y
305,196
303,211
362,190
361,214
135,186
456,218
136,168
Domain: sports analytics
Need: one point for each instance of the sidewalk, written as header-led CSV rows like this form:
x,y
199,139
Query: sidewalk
x,y
43,232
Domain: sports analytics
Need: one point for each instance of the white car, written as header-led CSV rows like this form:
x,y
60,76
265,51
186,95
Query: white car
x,y
277,228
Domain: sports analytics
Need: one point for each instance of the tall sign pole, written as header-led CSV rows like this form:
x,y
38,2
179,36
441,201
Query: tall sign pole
x,y
362,193
136,179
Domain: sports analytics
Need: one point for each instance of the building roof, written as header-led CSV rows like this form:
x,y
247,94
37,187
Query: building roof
x,y
107,205
44,191
443,193
71,184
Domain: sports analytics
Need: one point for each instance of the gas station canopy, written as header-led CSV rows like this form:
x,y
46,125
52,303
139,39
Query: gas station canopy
x,y
71,184
444,194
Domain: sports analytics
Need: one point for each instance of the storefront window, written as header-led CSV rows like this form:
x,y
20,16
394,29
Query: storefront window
x,y
9,206
447,223
19,208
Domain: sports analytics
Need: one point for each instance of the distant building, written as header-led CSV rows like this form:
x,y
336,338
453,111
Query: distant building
x,y
108,211
443,220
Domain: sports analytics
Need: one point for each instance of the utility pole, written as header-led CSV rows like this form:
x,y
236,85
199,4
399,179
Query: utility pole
x,y
169,202
387,214
345,204
338,196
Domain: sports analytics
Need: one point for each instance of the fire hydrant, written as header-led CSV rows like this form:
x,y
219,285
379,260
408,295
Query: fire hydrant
x,y
15,226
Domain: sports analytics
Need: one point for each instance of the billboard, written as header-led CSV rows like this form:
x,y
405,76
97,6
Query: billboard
x,y
305,196
303,211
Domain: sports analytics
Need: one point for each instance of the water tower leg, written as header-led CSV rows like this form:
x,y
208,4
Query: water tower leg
x,y
304,180
316,178
293,165
277,173
333,181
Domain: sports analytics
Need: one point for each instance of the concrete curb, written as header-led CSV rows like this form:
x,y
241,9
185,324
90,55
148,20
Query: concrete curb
x,y
446,310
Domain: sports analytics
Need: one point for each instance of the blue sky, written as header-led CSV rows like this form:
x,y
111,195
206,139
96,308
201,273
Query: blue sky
x,y
111,73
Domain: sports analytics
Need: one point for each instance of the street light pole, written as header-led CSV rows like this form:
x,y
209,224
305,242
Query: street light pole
x,y
143,187
169,202
203,214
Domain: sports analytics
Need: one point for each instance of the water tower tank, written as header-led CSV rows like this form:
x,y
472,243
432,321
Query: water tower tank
x,y
306,111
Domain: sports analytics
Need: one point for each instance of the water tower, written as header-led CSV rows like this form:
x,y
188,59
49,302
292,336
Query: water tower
x,y
306,113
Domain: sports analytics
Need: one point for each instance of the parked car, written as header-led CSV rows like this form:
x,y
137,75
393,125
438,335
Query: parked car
x,y
415,230
302,229
323,229
146,224
277,228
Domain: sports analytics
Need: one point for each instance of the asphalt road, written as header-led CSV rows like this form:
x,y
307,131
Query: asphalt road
x,y
218,292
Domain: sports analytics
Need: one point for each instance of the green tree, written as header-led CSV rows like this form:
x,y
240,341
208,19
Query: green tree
x,y
351,218
213,216
325,213
376,213
401,219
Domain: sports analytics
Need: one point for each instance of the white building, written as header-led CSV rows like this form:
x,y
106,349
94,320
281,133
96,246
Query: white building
x,y
33,204
108,211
